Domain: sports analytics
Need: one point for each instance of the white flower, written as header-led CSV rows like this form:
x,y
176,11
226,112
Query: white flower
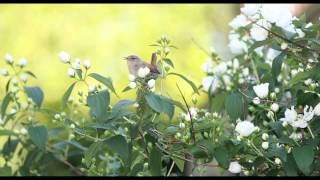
x,y
220,69
296,136
23,131
132,85
265,136
143,72
76,64
275,13
290,115
308,25
245,128
227,80
22,62
261,90
4,72
257,32
256,100
166,50
92,88
212,81
284,46
235,64
301,34
317,110
87,64
308,115
239,21
237,46
8,58
250,9
245,72
234,167
265,145
151,83
207,66
64,57
136,105
274,107
308,81
277,161
131,77
24,77
71,72
182,125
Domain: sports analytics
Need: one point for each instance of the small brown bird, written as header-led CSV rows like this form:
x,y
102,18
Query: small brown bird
x,y
135,63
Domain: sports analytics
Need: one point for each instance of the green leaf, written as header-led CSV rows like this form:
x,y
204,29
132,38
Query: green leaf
x,y
290,166
304,156
160,104
171,130
5,102
276,66
67,94
234,105
39,136
99,103
169,62
35,93
91,152
179,163
79,73
299,77
127,88
194,87
155,161
104,80
31,74
5,171
6,132
122,103
9,147
118,144
222,156
217,102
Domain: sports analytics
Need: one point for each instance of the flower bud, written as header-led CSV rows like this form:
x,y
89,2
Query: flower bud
x,y
131,77
22,62
64,57
4,72
151,83
277,161
8,58
284,46
273,96
256,100
87,64
265,145
71,72
274,107
132,85
265,136
270,115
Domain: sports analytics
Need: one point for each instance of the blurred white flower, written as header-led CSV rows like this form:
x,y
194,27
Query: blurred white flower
x,y
261,90
166,50
220,69
290,115
274,107
265,145
235,64
71,72
250,9
239,21
131,77
265,136
308,113
245,128
277,161
284,46
301,34
76,64
278,14
4,72
92,88
317,110
182,125
207,66
23,131
8,58
234,167
22,62
212,81
308,25
308,81
64,57
24,77
87,64
256,100
227,80
296,136
258,33
151,83
245,71
237,46
136,105
143,72
132,85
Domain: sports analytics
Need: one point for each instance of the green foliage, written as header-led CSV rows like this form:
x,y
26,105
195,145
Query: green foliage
x,y
35,93
39,136
160,104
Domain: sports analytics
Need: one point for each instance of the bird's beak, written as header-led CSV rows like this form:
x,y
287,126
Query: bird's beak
x,y
125,58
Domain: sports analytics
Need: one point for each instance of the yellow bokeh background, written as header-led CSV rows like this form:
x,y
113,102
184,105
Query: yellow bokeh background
x,y
104,33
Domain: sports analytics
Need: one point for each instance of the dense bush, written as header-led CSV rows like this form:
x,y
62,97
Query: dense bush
x,y
262,116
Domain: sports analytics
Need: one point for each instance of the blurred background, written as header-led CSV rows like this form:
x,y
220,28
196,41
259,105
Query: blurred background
x,y
104,33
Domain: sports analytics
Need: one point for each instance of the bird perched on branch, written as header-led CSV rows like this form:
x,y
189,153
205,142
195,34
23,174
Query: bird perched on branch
x,y
135,63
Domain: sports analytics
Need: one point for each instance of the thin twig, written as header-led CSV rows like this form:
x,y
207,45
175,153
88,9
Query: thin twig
x,y
188,109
